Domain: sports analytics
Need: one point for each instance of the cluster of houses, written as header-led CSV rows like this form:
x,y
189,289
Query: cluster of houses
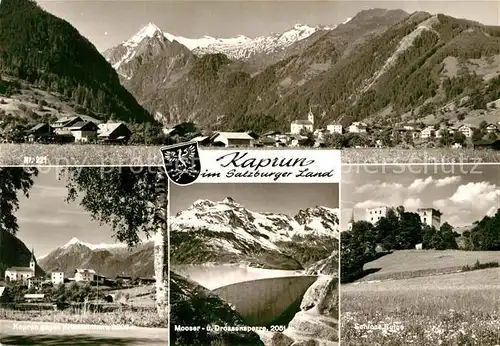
x,y
75,129
33,278
301,131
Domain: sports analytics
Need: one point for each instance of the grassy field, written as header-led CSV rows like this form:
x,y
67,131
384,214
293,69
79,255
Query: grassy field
x,y
437,155
460,309
414,263
142,317
138,296
71,154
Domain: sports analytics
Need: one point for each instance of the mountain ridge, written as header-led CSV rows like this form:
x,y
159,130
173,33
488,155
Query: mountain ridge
x,y
107,259
50,54
383,67
227,232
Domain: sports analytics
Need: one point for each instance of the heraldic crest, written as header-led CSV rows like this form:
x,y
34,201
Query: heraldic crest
x,y
182,162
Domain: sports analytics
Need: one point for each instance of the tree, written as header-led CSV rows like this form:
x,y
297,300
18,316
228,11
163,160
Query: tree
x,y
132,201
459,137
492,136
335,140
13,180
446,138
477,135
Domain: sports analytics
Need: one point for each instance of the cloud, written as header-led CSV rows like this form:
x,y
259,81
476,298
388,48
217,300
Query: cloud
x,y
448,181
440,203
369,204
419,185
471,201
476,194
52,221
379,186
412,203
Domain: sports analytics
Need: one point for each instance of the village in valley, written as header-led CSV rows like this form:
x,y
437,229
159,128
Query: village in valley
x,y
27,285
303,133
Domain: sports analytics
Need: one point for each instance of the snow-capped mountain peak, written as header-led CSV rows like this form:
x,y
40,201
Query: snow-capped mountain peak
x,y
347,20
227,232
237,47
76,241
150,30
228,216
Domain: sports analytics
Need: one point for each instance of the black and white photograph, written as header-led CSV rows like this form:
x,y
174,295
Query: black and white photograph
x,y
254,264
83,256
420,255
386,81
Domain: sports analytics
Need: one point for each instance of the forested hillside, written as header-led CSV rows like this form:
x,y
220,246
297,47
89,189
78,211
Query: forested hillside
x,y
50,54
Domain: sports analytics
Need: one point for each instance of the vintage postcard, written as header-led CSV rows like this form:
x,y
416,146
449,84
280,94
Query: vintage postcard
x,y
420,255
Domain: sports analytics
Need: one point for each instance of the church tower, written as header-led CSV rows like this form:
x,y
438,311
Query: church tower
x,y
33,261
310,116
351,222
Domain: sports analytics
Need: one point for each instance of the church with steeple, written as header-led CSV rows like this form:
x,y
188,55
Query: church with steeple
x,y
22,273
351,222
299,125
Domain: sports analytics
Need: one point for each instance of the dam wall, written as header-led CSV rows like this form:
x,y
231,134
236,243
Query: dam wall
x,y
268,301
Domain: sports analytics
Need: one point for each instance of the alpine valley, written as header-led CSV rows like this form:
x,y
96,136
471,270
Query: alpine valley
x,y
384,67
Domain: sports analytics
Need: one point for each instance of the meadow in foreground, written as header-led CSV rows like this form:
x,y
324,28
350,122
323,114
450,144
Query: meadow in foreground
x,y
140,318
94,154
447,310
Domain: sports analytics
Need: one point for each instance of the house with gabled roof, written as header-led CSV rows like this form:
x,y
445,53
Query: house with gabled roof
x,y
63,125
233,139
84,131
492,128
113,132
41,133
85,275
358,127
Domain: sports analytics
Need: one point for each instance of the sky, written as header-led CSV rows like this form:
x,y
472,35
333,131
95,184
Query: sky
x,y
463,193
269,197
46,221
106,23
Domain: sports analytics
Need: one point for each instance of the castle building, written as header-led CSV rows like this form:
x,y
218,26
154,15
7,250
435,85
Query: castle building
x,y
299,125
375,214
22,273
430,217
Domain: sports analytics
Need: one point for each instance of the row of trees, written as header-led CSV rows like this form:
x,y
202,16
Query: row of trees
x,y
398,230
74,293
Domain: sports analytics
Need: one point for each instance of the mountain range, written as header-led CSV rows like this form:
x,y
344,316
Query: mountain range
x,y
381,66
227,232
109,260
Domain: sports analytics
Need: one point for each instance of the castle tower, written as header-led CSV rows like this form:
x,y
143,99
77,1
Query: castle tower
x,y
310,116
33,260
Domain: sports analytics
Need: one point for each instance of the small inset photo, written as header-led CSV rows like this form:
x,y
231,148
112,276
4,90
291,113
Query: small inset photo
x,y
254,264
83,258
420,255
